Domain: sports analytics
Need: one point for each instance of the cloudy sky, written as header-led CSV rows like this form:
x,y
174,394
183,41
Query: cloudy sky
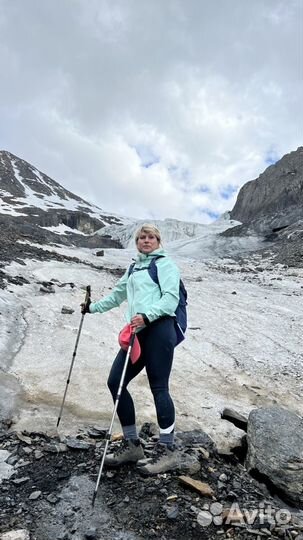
x,y
152,108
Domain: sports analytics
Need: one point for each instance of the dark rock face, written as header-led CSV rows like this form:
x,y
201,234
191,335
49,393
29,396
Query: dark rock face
x,y
272,207
31,200
276,195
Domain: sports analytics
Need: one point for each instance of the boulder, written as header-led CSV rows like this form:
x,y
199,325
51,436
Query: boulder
x,y
275,450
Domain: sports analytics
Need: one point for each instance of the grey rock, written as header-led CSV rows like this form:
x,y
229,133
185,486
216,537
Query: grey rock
x,y
66,310
189,463
22,463
12,460
18,481
52,498
38,454
35,495
77,444
100,253
275,449
24,438
53,448
6,470
172,512
96,432
47,289
195,437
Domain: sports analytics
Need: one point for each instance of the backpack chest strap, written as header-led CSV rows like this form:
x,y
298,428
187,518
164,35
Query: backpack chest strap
x,y
151,268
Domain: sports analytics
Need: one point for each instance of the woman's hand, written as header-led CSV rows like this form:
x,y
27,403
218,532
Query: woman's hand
x,y
137,322
85,306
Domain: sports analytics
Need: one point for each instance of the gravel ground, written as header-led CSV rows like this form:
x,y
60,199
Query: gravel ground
x,y
50,494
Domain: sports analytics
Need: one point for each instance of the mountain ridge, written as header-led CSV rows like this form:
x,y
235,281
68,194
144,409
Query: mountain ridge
x,y
31,202
275,198
265,219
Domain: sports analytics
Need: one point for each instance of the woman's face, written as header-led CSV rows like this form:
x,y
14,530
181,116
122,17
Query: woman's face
x,y
147,242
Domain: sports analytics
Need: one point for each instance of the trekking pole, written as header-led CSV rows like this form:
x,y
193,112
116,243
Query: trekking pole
x,y
109,433
87,297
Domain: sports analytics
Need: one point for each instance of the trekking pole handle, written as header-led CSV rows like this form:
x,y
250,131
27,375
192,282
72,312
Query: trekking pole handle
x,y
88,290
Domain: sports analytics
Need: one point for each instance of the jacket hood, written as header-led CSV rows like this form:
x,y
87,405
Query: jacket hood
x,y
149,256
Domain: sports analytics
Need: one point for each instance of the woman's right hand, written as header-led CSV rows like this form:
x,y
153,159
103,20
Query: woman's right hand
x,y
137,322
85,306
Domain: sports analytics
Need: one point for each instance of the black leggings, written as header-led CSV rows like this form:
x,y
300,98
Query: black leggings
x,y
157,343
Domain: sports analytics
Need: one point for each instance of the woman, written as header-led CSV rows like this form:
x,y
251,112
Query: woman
x,y
151,309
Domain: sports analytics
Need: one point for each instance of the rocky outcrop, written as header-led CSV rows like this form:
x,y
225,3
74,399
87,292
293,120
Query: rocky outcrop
x,y
15,229
276,197
275,450
271,208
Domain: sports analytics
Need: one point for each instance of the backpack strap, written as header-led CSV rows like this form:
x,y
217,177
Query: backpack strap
x,y
131,269
153,270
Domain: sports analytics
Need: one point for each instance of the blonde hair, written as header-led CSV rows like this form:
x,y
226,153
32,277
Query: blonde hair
x,y
148,228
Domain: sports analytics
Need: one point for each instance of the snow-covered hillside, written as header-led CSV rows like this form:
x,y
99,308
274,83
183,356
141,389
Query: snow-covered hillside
x,y
24,191
243,346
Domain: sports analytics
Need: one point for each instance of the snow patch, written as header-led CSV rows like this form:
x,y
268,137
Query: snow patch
x,y
63,229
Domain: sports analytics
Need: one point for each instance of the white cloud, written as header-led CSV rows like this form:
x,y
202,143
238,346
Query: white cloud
x,y
151,109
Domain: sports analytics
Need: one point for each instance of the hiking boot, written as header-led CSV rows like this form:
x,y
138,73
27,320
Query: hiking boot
x,y
128,451
165,458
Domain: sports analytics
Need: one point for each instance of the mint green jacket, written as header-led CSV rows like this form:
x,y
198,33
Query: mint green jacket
x,y
143,295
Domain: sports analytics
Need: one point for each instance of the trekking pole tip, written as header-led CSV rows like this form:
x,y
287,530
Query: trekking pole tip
x,y
94,498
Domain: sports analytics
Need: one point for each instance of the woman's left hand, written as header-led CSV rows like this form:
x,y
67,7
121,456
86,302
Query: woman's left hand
x,y
137,322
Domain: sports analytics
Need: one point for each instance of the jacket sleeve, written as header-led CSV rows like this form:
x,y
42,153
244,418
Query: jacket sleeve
x,y
114,299
169,282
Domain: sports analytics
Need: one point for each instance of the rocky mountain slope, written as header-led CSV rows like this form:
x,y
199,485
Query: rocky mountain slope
x,y
34,206
275,199
272,207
